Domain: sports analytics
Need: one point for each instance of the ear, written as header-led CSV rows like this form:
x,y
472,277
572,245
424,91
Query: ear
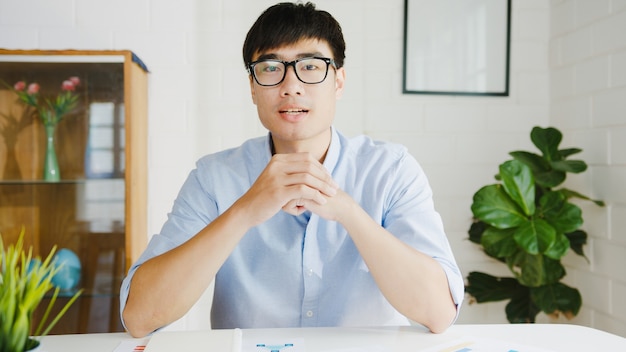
x,y
252,90
340,79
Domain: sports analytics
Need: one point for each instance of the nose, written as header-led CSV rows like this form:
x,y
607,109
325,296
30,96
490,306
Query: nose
x,y
291,85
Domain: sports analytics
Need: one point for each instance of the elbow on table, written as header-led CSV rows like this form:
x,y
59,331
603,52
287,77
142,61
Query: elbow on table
x,y
134,324
439,328
438,322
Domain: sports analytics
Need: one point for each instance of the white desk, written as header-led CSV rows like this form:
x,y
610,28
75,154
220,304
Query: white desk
x,y
549,337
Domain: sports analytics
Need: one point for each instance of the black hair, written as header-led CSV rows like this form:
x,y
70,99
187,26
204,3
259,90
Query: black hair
x,y
287,23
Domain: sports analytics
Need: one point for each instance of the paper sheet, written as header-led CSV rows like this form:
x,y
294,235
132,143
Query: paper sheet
x,y
470,344
273,345
220,340
131,345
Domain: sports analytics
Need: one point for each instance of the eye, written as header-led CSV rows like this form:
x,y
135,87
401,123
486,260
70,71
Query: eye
x,y
309,65
268,67
271,68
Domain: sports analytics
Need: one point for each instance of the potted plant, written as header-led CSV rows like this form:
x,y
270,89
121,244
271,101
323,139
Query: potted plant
x,y
24,281
526,223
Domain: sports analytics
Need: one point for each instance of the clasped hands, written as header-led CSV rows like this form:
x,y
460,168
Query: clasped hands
x,y
294,183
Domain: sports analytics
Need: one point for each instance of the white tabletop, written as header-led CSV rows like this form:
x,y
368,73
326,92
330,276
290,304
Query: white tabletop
x,y
492,337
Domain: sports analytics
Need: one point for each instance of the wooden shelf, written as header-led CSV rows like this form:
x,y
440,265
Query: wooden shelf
x,y
44,182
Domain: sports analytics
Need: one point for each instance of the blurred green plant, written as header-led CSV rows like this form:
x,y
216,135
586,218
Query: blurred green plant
x,y
527,224
24,281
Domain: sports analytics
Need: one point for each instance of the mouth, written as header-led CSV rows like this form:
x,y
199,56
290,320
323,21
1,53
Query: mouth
x,y
293,111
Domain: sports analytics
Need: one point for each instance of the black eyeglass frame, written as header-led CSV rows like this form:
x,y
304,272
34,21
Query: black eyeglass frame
x,y
293,63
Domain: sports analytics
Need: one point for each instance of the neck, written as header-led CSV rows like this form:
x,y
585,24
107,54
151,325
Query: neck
x,y
318,147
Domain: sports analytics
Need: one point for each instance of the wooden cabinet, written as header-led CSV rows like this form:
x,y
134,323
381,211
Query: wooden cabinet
x,y
98,208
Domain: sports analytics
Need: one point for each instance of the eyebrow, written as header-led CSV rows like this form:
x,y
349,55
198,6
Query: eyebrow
x,y
273,56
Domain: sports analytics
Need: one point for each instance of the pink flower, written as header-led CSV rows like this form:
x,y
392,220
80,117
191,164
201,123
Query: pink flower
x,y
50,109
75,80
68,85
33,88
19,86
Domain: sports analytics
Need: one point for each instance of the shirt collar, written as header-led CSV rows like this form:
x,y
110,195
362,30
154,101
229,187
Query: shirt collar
x,y
332,156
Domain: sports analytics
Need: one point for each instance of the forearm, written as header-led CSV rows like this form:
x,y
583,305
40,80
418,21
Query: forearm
x,y
165,287
413,282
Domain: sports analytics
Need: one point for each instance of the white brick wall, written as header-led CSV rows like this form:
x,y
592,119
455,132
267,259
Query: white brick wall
x,y
588,102
568,68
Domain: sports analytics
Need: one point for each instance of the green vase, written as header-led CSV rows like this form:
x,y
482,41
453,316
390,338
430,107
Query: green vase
x,y
51,164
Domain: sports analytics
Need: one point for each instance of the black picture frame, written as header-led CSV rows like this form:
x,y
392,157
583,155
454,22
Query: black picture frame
x,y
457,47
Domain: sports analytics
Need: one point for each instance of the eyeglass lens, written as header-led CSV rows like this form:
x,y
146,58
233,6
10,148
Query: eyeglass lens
x,y
308,70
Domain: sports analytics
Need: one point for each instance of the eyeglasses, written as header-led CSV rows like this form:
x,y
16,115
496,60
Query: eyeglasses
x,y
309,70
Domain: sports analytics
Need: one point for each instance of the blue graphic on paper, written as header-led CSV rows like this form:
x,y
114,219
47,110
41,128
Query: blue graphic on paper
x,y
274,348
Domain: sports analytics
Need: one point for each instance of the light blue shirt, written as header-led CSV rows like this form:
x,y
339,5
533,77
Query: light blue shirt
x,y
303,271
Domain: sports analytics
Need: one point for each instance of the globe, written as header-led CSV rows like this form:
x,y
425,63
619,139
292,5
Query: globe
x,y
68,276
33,264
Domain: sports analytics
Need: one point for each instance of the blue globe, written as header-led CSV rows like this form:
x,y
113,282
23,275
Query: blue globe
x,y
33,264
68,276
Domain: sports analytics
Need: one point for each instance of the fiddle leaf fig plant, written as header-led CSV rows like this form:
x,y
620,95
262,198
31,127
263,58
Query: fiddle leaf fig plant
x,y
528,224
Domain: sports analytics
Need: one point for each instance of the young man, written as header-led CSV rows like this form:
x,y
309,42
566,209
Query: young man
x,y
302,227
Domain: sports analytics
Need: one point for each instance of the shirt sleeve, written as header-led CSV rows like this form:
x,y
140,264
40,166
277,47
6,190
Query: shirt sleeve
x,y
411,216
192,211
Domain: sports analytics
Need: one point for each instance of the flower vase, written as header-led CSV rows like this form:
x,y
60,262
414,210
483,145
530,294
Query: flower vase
x,y
51,165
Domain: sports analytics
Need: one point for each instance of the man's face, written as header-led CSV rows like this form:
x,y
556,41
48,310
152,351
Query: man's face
x,y
298,115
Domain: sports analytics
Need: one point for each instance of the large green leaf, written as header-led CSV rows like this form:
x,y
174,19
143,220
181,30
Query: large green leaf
x,y
535,270
573,166
521,308
577,240
569,218
486,288
535,236
550,179
547,140
553,270
519,184
551,203
569,151
559,248
476,231
499,243
493,206
573,194
557,298
563,216
534,161
527,268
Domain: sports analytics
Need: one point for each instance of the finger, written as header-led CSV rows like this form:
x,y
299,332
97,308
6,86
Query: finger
x,y
307,183
301,195
304,163
295,207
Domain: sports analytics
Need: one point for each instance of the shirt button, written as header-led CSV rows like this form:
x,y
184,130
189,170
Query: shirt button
x,y
309,272
309,313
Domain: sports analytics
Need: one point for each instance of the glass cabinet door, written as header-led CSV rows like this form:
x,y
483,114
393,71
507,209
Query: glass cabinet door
x,y
88,213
